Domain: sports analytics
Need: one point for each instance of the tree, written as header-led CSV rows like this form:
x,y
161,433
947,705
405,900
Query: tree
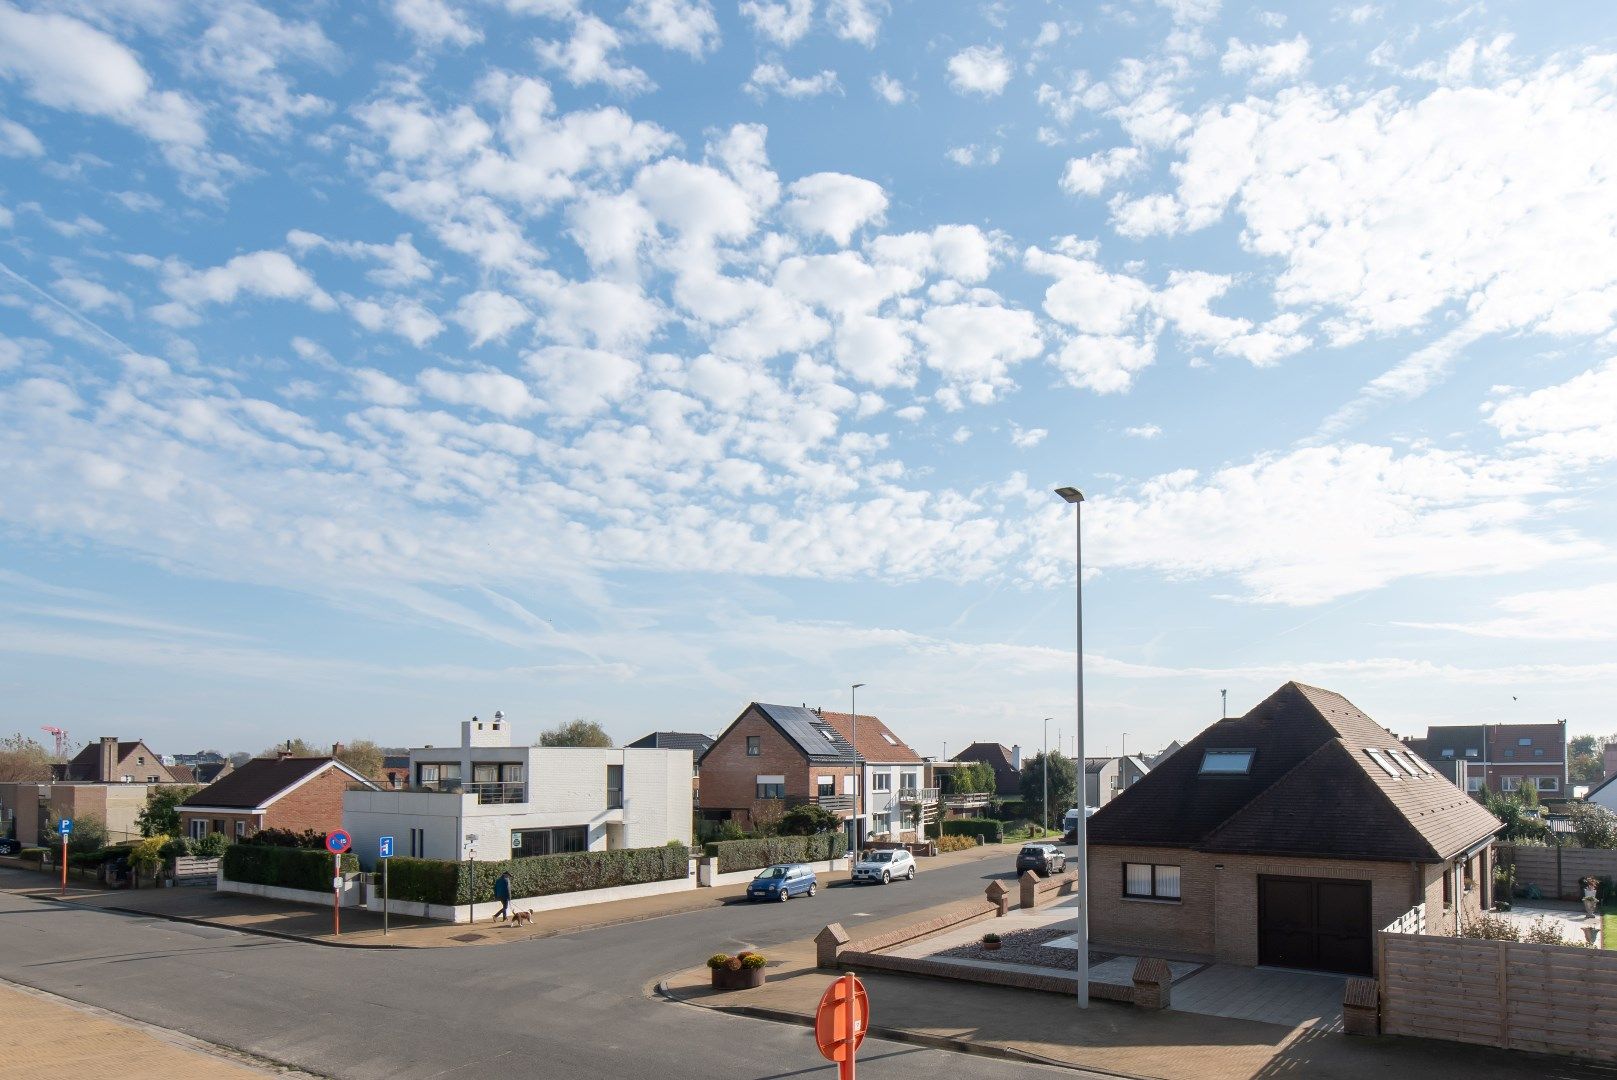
x,y
1585,758
295,747
1521,820
967,778
22,760
579,732
1592,824
1063,785
808,820
89,834
161,814
363,756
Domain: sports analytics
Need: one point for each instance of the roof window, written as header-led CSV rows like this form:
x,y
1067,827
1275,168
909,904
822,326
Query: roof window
x,y
1226,762
889,738
1380,759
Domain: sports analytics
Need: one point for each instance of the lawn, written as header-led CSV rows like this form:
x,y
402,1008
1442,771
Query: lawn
x,y
1608,923
1032,832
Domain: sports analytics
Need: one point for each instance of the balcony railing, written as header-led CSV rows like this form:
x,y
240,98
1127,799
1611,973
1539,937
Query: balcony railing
x,y
834,803
508,792
966,800
920,795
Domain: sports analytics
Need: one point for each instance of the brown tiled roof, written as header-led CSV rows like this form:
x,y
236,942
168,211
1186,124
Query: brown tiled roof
x,y
1312,790
257,782
182,774
876,741
1007,781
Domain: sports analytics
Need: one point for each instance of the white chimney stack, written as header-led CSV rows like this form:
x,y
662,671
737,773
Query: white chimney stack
x,y
1016,757
479,732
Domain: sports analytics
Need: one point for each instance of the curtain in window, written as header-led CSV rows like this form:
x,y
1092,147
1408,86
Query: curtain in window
x,y
1137,879
1168,882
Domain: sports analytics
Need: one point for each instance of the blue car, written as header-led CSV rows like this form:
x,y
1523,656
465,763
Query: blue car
x,y
783,882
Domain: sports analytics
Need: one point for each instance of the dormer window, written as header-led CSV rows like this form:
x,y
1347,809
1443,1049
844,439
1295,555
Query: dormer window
x,y
1226,762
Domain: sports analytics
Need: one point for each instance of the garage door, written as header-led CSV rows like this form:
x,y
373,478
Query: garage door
x,y
1320,924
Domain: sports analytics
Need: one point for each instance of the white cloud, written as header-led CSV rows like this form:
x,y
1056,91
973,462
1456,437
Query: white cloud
x,y
974,346
1090,175
492,391
269,274
782,21
1191,11
684,25
1143,431
1027,438
772,78
435,23
91,295
379,388
18,141
1587,613
889,89
588,57
1267,63
856,20
487,315
244,48
578,382
407,318
979,69
834,204
401,263
968,156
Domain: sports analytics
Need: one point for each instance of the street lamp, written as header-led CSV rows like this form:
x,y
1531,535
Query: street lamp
x,y
858,773
1047,720
1075,498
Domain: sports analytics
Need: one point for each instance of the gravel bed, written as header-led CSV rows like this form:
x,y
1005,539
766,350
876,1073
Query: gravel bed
x,y
1026,947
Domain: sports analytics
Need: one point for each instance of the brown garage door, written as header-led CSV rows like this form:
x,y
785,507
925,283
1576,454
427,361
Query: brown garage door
x,y
1321,924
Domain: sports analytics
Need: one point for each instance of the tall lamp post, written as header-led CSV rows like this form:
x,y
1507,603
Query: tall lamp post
x,y
858,773
1047,720
1075,498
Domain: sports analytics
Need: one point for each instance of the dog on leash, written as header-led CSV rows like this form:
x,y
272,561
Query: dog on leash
x,y
522,918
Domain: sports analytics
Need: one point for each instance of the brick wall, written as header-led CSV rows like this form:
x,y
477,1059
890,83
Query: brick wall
x,y
315,805
1217,914
729,775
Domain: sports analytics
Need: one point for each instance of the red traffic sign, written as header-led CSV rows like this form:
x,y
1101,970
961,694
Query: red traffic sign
x,y
338,842
841,1020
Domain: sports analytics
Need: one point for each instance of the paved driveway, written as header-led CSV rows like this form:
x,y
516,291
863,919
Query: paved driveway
x,y
1290,998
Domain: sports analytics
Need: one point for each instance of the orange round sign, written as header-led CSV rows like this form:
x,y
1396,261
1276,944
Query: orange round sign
x,y
843,1008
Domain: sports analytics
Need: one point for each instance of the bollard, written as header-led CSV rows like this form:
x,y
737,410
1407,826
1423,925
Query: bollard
x,y
999,896
1030,889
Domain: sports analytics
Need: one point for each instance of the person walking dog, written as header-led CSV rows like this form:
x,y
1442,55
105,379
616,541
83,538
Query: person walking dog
x,y
502,893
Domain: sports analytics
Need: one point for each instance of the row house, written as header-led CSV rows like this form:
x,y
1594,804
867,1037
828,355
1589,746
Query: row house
x,y
1500,758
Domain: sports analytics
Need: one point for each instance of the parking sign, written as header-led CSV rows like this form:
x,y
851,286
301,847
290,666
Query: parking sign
x,y
65,826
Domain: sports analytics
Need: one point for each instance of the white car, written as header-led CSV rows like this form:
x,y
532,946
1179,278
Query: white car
x,y
884,866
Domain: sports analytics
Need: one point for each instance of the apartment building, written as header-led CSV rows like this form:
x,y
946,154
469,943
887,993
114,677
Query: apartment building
x,y
1498,757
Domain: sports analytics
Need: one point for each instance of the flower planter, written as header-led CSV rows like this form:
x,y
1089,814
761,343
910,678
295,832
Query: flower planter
x,y
745,979
991,946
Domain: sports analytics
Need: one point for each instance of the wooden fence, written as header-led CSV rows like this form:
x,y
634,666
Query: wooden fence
x,y
1545,866
193,871
1553,999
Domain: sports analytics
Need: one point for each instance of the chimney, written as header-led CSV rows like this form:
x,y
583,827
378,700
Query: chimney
x,y
107,763
1610,760
1016,757
336,748
480,732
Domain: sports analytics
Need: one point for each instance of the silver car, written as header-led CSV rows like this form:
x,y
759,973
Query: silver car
x,y
884,866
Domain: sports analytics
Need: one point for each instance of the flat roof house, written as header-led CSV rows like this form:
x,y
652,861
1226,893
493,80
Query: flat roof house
x,y
285,792
489,800
1286,837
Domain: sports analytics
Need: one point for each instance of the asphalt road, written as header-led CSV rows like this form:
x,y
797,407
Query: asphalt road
x,y
573,1005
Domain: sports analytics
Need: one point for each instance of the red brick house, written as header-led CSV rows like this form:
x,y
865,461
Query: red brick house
x,y
1286,837
294,793
109,761
773,757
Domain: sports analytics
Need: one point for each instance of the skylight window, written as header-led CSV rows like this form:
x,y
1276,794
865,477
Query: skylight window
x,y
1415,760
1380,759
1226,762
1398,760
892,741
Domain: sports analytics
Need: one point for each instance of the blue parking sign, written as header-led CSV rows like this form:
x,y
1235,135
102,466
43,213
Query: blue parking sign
x,y
65,826
387,847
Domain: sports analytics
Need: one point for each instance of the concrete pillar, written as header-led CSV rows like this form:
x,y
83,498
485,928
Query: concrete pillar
x,y
1029,882
999,896
828,943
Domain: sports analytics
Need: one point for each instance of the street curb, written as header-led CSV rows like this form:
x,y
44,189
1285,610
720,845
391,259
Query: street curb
x,y
259,931
902,1035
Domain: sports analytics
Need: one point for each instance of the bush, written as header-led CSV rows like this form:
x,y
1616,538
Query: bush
x,y
175,847
424,881
752,961
956,843
437,881
737,855
148,854
992,830
286,868
211,846
32,854
89,835
808,820
307,840
1491,928
1593,824
718,960
1544,931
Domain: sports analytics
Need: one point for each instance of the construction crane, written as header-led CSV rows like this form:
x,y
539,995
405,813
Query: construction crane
x,y
61,738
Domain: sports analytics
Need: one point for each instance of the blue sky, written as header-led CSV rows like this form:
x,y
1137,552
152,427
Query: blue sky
x,y
366,366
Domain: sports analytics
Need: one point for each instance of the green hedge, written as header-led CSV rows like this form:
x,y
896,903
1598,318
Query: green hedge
x,y
993,831
435,881
286,868
32,854
755,854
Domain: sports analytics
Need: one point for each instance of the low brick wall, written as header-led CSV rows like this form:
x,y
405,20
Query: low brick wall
x,y
953,915
1019,980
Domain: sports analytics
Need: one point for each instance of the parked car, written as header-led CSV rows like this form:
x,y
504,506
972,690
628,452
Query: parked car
x,y
884,866
1042,859
782,882
9,846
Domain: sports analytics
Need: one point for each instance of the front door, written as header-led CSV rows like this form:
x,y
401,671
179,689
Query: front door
x,y
1320,924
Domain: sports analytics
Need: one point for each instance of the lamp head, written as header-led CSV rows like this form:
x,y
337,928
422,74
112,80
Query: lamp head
x,y
857,685
1071,494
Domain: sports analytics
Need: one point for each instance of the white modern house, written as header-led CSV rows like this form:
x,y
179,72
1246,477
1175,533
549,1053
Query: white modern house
x,y
489,800
894,777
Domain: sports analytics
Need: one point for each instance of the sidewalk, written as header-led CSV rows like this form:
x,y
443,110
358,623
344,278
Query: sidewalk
x,y
51,1038
362,928
1107,1037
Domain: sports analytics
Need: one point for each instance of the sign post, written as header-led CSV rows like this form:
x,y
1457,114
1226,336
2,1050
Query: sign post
x,y
337,842
65,827
840,1023
387,857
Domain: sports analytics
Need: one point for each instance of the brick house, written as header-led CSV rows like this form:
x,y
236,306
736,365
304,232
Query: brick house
x,y
1286,837
772,757
283,792
1006,761
1498,757
109,761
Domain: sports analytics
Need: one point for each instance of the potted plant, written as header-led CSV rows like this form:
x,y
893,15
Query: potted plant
x,y
743,971
991,942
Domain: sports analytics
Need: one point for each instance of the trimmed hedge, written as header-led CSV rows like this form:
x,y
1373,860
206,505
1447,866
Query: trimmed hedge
x,y
767,851
32,854
437,881
993,830
286,868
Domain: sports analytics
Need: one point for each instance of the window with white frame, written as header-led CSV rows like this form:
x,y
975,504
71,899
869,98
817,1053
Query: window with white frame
x,y
1547,783
754,745
1510,783
198,828
1524,742
1227,762
909,781
241,828
1449,753
881,781
1150,881
1473,783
